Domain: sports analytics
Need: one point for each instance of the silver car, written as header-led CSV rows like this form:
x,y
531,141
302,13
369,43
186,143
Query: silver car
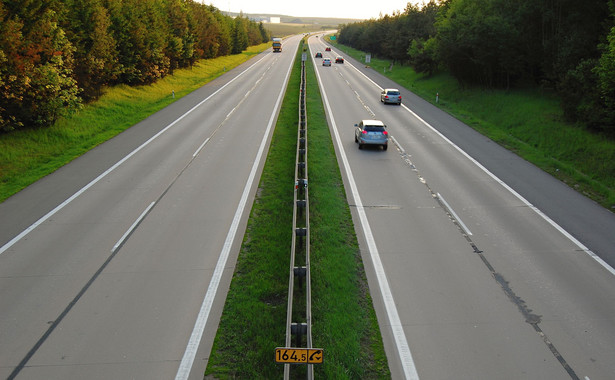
x,y
390,95
326,62
371,132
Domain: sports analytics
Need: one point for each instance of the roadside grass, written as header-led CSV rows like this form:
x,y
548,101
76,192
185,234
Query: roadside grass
x,y
252,324
28,155
527,121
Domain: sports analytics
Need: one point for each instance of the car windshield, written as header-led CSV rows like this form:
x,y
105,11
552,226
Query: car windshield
x,y
373,128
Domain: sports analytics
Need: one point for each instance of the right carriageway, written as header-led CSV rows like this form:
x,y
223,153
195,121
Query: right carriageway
x,y
473,273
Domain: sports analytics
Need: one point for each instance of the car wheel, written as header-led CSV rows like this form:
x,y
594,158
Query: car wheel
x,y
360,146
355,138
384,147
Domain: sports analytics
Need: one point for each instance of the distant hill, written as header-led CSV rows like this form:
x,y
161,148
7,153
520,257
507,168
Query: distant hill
x,y
297,20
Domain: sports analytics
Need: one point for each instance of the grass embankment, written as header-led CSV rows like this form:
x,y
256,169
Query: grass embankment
x,y
290,29
254,317
529,122
28,155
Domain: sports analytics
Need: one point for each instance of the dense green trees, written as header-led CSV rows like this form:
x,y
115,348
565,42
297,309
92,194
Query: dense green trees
x,y
55,54
566,45
36,58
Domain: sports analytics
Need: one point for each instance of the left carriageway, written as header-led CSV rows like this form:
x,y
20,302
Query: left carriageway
x,y
116,265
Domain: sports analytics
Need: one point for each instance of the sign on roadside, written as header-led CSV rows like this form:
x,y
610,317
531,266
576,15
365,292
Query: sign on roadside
x,y
299,355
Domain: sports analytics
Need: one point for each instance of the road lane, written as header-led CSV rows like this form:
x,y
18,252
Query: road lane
x,y
516,299
75,303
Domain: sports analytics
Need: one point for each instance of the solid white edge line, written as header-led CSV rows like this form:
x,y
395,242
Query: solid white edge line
x,y
403,349
120,162
183,372
119,242
581,246
457,218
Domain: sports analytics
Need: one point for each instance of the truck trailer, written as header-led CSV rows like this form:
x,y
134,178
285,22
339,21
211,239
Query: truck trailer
x,y
277,44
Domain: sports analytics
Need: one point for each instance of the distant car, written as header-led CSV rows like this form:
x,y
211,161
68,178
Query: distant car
x,y
328,49
371,132
390,95
326,62
319,55
339,59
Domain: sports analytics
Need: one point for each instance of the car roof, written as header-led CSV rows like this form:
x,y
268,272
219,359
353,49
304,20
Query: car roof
x,y
390,89
372,122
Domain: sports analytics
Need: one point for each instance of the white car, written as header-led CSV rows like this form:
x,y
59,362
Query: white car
x,y
371,132
390,95
326,62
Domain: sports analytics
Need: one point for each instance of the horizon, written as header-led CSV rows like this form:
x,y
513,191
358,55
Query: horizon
x,y
317,8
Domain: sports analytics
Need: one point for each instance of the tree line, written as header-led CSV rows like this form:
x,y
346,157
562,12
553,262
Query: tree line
x,y
57,54
566,45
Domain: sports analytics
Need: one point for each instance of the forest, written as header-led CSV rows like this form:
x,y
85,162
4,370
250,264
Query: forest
x,y
566,46
56,55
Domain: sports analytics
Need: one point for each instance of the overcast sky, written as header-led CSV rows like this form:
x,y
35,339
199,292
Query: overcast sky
x,y
361,9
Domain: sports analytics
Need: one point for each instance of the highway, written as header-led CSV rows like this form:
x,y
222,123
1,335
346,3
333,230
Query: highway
x,y
117,265
480,265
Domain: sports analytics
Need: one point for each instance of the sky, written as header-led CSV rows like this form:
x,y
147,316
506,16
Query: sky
x,y
362,9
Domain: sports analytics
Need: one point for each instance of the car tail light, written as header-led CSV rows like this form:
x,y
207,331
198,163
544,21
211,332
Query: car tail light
x,y
386,96
364,132
385,133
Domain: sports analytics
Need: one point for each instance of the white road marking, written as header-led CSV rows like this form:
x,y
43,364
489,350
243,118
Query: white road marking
x,y
196,153
195,338
134,225
457,218
230,113
403,349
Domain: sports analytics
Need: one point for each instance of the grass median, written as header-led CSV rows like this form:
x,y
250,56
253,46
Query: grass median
x,y
527,121
253,322
28,155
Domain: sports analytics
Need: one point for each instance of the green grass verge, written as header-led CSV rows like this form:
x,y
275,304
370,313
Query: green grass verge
x,y
253,322
288,29
28,155
529,122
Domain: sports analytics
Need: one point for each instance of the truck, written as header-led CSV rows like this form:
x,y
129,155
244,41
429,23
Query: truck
x,y
277,44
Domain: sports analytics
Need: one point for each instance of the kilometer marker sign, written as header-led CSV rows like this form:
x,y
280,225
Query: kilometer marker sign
x,y
299,355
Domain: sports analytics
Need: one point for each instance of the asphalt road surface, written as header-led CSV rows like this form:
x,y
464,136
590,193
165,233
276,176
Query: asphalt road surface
x,y
117,265
481,266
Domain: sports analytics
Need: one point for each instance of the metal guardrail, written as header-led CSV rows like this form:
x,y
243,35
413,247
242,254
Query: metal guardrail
x,y
299,310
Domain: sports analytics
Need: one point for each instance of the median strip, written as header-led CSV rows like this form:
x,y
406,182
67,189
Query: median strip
x,y
343,319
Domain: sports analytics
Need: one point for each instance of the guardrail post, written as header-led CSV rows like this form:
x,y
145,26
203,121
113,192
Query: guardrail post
x,y
298,330
300,275
300,233
301,203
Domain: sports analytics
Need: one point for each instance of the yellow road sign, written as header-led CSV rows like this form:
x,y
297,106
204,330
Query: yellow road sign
x,y
299,355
